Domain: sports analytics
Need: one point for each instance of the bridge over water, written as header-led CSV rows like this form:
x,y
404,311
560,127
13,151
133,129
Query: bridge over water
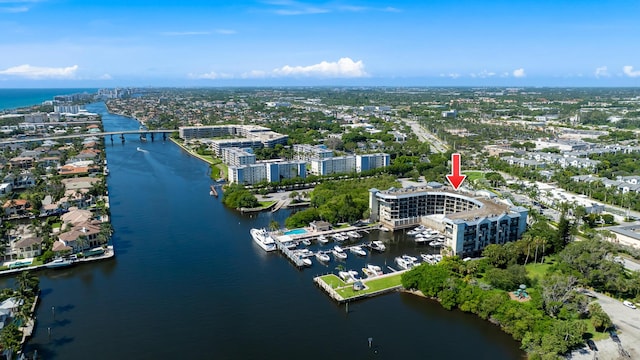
x,y
142,133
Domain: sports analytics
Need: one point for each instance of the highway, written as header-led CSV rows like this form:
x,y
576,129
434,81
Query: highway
x,y
437,145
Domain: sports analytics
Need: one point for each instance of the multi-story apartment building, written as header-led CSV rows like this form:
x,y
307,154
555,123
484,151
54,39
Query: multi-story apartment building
x,y
277,171
334,165
311,152
372,161
469,223
237,156
270,171
243,136
247,174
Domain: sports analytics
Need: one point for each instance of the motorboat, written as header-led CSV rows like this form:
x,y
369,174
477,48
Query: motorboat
x,y
339,237
375,268
338,248
358,250
59,263
436,243
306,242
290,244
322,239
339,255
377,245
369,273
306,261
410,258
353,234
354,275
322,257
263,239
404,263
345,276
427,258
304,252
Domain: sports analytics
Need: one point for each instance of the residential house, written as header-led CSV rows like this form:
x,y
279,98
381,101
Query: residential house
x,y
28,247
16,207
81,237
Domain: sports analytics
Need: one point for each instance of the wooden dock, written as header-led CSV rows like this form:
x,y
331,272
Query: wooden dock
x,y
296,260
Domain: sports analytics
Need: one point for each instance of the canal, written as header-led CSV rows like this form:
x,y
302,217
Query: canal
x,y
188,282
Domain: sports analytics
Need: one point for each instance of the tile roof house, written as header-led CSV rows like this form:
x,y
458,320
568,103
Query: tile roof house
x,y
74,237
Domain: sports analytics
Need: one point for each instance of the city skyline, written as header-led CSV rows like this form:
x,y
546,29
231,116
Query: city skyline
x,y
280,42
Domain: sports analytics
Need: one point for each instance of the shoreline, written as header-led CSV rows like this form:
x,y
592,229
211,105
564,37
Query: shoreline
x,y
108,254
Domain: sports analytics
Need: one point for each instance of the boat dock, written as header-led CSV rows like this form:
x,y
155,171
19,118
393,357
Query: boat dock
x,y
343,292
296,260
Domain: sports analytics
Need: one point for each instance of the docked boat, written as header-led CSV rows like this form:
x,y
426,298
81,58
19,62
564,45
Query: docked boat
x,y
290,244
428,258
353,234
306,261
263,239
322,257
306,242
377,245
322,239
213,191
421,240
375,268
345,276
304,252
59,263
339,255
436,243
404,263
410,258
338,248
339,237
369,273
358,251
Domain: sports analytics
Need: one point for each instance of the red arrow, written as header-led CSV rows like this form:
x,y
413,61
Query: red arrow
x,y
455,178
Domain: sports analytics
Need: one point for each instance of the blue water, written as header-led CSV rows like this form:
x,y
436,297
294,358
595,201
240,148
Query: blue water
x,y
189,283
15,98
295,232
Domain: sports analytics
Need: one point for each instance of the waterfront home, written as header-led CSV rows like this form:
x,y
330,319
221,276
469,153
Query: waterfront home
x,y
79,198
82,236
21,162
27,247
76,217
16,207
79,182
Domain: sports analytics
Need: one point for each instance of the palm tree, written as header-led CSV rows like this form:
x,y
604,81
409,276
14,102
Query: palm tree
x,y
274,225
27,282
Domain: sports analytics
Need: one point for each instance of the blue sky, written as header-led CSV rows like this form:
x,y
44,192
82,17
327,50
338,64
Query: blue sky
x,y
60,43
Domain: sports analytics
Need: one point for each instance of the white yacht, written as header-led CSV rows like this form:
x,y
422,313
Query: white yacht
x,y
322,257
358,250
378,245
306,242
322,239
263,239
404,263
339,255
338,248
377,270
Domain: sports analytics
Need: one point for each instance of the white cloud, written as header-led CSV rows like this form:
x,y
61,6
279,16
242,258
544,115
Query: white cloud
x,y
105,77
290,7
345,67
198,33
226,31
628,70
211,76
601,71
483,74
37,72
13,9
185,33
519,73
451,75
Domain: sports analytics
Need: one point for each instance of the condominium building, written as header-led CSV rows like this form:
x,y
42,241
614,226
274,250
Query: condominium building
x,y
468,222
277,171
311,152
372,161
243,136
236,156
247,174
334,165
267,171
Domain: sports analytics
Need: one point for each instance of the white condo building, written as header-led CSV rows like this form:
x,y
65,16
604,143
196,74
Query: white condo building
x,y
245,136
237,156
267,171
468,222
311,152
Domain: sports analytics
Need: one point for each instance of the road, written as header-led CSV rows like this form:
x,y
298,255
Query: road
x,y
437,145
627,323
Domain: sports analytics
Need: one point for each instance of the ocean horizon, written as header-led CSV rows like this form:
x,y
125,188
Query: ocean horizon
x,y
17,98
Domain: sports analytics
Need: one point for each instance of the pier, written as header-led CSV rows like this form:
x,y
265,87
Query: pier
x,y
295,259
342,292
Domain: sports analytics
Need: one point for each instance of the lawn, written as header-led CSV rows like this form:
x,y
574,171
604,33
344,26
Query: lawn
x,y
376,284
474,175
537,271
267,203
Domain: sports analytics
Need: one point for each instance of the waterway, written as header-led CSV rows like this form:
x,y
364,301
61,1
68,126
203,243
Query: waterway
x,y
188,282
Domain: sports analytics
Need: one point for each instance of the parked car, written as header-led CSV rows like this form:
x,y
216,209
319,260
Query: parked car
x,y
592,345
629,304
